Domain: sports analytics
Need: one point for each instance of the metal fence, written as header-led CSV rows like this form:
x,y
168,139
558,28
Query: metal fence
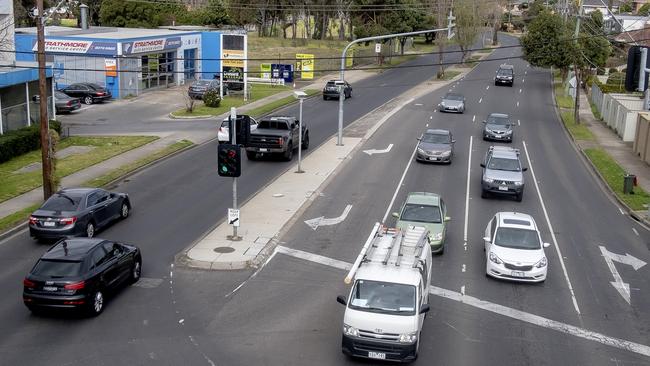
x,y
15,117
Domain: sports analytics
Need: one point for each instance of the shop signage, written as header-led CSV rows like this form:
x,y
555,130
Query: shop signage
x,y
305,65
77,46
233,58
151,45
265,71
111,66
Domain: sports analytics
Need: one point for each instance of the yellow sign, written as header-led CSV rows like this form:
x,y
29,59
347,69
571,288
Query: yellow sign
x,y
233,58
349,59
305,65
265,71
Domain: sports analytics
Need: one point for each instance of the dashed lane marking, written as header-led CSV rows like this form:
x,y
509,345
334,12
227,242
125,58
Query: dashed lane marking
x,y
517,104
636,232
480,100
520,91
474,118
487,87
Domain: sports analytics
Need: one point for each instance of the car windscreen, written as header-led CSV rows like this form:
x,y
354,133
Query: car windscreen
x,y
505,72
436,138
496,120
421,213
383,297
504,164
53,268
201,83
517,238
274,125
62,202
453,97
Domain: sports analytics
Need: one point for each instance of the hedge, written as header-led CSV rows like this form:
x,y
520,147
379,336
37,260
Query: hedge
x,y
19,142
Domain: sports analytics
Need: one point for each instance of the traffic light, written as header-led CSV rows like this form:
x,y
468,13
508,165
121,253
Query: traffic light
x,y
229,160
243,129
634,68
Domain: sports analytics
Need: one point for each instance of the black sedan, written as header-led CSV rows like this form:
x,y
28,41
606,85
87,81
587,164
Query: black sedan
x,y
78,211
65,103
79,273
89,93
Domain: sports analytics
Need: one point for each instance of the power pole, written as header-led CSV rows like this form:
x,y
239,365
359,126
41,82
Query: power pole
x,y
46,148
576,107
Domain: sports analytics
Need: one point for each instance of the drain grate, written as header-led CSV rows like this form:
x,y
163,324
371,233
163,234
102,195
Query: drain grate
x,y
224,249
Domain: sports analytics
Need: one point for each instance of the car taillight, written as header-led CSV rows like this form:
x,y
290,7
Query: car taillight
x,y
221,129
68,220
69,103
280,141
28,283
33,220
75,286
99,93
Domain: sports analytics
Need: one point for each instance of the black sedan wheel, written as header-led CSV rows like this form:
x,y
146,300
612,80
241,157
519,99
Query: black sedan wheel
x,y
124,211
136,271
90,230
88,99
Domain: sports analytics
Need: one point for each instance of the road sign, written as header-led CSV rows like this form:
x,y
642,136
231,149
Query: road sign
x,y
233,217
377,47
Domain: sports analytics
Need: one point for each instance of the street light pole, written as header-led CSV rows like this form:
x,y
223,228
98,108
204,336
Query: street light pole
x,y
301,97
46,148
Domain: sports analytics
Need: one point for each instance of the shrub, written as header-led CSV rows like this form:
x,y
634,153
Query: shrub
x,y
17,142
612,70
211,98
617,78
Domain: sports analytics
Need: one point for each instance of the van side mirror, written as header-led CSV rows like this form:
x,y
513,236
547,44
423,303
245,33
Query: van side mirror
x,y
453,141
341,300
447,218
524,169
546,245
484,121
396,215
486,238
425,308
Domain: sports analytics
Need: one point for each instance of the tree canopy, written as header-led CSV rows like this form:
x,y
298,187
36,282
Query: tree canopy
x,y
549,42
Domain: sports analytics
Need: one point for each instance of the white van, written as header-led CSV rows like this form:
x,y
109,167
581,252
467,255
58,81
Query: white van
x,y
389,298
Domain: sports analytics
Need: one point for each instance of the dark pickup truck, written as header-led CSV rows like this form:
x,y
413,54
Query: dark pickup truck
x,y
276,135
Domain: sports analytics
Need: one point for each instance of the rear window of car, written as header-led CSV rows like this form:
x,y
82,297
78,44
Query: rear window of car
x,y
62,202
60,95
276,125
51,268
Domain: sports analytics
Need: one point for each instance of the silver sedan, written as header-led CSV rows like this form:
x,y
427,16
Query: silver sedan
x,y
452,102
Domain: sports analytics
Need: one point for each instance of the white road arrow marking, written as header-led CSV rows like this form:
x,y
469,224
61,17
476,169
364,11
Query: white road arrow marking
x,y
620,286
375,151
322,221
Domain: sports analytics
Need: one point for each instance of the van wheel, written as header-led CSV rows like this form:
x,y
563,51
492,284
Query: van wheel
x,y
484,194
288,155
519,197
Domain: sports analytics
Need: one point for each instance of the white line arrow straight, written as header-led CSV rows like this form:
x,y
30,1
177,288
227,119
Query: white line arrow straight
x,y
322,221
375,151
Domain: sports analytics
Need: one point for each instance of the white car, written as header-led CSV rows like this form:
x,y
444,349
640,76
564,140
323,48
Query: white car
x,y
223,135
514,249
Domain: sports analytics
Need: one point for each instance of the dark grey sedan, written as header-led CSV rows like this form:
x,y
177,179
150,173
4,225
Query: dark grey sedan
x,y
498,127
65,103
436,146
452,102
199,87
78,212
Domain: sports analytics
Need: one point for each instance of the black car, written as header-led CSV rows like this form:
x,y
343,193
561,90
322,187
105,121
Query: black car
x,y
78,211
89,93
331,89
79,273
199,87
65,103
505,75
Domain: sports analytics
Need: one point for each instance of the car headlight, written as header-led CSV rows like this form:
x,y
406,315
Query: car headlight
x,y
408,337
488,130
421,151
495,259
435,237
519,183
541,263
488,180
350,330
508,132
442,104
446,153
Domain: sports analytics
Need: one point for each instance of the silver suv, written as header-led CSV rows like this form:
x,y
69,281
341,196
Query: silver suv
x,y
502,173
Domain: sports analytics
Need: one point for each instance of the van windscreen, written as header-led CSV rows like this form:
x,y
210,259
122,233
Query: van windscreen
x,y
383,297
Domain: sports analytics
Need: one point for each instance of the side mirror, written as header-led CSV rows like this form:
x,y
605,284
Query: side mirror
x,y
484,121
341,300
486,238
546,245
482,165
425,308
419,138
395,214
447,218
453,141
524,169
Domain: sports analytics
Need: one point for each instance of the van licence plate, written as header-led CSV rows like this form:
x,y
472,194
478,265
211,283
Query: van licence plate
x,y
518,274
503,188
377,355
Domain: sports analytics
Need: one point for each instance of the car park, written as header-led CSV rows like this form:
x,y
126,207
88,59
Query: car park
x,y
436,146
427,210
331,89
78,212
514,249
452,102
505,75
65,103
89,93
498,127
80,273
198,88
502,173
223,135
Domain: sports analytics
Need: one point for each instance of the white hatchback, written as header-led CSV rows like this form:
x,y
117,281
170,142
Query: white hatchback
x,y
514,249
223,135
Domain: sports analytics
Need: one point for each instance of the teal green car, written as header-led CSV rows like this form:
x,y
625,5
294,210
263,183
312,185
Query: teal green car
x,y
427,210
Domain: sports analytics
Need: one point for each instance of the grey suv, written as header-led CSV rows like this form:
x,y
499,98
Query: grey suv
x,y
497,127
502,173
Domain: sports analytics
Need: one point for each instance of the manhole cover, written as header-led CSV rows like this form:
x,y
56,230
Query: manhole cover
x,y
224,249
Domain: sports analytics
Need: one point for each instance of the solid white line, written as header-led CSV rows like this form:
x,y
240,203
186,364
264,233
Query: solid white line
x,y
474,118
469,169
254,274
9,238
550,227
636,232
399,185
492,307
541,321
621,211
480,100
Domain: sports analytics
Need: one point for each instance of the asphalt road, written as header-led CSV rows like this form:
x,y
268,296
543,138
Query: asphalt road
x,y
160,320
287,313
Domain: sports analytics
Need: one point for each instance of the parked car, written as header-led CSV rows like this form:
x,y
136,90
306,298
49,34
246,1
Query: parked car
x,y
331,89
78,211
502,173
89,93
223,135
79,273
277,135
514,249
452,102
65,103
429,211
498,127
505,75
435,146
198,88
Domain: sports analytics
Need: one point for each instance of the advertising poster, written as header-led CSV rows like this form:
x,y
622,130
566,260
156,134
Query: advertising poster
x,y
305,65
265,71
111,66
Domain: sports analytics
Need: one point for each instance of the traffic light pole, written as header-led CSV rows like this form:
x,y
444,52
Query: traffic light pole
x,y
233,133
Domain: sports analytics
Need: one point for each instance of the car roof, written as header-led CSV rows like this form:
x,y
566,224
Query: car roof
x,y
438,131
72,249
336,81
453,95
506,66
516,220
423,198
501,115
277,118
504,152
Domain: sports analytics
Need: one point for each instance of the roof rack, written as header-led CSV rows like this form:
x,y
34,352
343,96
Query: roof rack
x,y
503,148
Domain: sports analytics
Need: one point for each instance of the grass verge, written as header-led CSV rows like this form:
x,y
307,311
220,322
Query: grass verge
x,y
14,183
613,175
16,218
269,107
578,131
450,74
563,100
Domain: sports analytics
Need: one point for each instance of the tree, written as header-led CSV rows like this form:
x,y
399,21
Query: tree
x,y
549,42
214,13
644,9
533,11
468,23
119,13
625,8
